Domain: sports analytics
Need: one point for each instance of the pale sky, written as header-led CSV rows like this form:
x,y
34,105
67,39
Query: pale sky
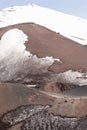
x,y
73,7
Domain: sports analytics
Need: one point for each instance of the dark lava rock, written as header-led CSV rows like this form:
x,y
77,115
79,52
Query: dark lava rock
x,y
82,124
37,117
20,114
46,121
57,87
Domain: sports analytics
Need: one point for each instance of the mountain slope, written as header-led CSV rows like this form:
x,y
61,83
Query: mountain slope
x,y
38,54
72,27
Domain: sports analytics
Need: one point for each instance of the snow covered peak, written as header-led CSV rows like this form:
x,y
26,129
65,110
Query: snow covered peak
x,y
70,26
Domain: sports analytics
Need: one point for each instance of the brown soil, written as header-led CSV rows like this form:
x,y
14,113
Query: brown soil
x,y
14,95
44,42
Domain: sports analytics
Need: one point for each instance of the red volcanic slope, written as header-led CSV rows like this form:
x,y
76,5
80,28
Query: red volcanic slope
x,y
44,42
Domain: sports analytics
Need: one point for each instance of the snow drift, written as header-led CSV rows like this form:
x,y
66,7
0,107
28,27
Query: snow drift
x,y
15,62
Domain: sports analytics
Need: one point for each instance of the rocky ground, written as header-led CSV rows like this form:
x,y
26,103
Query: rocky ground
x,y
35,117
26,108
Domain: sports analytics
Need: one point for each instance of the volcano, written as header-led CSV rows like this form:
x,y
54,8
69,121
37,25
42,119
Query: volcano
x,y
43,69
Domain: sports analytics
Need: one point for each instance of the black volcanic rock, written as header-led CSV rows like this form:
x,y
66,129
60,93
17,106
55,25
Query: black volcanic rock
x,y
42,120
46,121
20,114
57,87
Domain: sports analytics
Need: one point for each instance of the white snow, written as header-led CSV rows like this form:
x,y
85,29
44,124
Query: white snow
x,y
74,77
15,61
70,26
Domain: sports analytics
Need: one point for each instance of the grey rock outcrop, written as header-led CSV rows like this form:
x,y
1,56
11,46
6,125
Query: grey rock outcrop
x,y
40,120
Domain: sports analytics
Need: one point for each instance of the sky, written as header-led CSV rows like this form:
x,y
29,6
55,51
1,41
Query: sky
x,y
73,7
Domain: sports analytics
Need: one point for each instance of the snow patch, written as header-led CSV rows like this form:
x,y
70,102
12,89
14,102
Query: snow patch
x,y
74,77
16,62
